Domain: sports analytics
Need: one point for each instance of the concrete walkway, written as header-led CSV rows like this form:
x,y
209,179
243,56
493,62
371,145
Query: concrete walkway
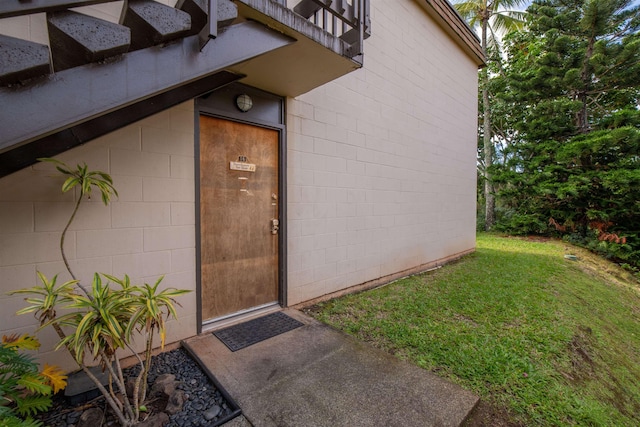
x,y
317,376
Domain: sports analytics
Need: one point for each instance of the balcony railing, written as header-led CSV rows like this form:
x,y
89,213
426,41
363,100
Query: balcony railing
x,y
346,19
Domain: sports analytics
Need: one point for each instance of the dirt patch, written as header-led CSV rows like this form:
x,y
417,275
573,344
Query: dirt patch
x,y
541,239
580,350
488,415
465,319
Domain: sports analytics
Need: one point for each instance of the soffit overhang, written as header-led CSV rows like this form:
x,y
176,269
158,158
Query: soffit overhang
x,y
455,26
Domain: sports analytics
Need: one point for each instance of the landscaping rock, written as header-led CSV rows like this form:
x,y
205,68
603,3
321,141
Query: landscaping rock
x,y
176,402
193,384
212,412
164,384
91,418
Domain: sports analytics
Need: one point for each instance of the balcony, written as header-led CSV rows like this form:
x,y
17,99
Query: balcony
x,y
84,66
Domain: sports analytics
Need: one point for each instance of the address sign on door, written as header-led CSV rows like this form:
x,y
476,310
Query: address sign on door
x,y
242,165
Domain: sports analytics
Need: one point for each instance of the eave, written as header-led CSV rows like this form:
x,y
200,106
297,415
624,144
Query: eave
x,y
450,20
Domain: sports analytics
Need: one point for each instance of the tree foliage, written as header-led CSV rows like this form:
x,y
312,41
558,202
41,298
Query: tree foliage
x,y
491,18
571,89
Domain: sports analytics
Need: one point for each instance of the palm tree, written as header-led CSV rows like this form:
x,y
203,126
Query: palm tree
x,y
492,18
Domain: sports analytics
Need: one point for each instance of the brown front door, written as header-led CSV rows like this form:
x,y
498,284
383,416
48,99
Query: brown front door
x,y
238,216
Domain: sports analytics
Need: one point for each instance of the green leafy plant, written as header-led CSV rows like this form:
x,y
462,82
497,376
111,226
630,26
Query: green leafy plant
x,y
24,391
102,319
85,180
151,307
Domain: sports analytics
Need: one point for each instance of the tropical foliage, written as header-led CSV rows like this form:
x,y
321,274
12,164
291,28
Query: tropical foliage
x,y
491,18
85,180
24,390
102,319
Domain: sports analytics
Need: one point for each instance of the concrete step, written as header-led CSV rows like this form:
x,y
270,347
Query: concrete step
x,y
154,23
77,39
21,60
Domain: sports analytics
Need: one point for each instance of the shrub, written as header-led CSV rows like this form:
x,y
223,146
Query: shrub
x,y
102,318
24,391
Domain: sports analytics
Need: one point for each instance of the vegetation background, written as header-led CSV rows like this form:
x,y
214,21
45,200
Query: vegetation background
x,y
559,121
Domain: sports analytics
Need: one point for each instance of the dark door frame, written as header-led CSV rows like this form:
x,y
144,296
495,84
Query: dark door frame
x,y
268,112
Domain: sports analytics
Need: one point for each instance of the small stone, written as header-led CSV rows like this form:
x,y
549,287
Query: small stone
x,y
90,418
175,403
212,412
73,417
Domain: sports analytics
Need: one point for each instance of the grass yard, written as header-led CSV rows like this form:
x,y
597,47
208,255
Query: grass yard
x,y
541,339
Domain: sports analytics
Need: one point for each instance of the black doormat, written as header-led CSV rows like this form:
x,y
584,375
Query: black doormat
x,y
237,337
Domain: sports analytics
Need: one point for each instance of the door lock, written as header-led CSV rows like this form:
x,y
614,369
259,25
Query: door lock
x,y
275,226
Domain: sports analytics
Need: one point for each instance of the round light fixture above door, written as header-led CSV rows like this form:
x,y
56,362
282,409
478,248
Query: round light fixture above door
x,y
244,102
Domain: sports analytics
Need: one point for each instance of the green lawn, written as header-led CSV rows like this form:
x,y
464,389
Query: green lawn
x,y
543,339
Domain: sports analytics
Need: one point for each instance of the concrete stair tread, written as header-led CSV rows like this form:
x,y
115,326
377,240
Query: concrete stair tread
x,y
77,39
21,60
153,23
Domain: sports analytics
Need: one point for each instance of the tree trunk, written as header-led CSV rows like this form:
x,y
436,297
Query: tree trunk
x,y
490,201
585,76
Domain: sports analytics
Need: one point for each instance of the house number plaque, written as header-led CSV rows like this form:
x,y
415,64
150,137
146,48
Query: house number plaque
x,y
242,165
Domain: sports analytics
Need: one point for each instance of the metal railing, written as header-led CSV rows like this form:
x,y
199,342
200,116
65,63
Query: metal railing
x,y
347,19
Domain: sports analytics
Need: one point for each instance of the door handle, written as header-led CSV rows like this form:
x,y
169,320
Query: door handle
x,y
275,226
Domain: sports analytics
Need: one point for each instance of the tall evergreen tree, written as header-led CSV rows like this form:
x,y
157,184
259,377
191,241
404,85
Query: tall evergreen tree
x,y
573,80
492,18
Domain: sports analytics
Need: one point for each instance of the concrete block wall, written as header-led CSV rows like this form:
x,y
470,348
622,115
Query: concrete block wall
x,y
148,231
382,162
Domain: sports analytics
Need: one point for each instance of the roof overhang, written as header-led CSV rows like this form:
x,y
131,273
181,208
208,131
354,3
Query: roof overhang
x,y
450,20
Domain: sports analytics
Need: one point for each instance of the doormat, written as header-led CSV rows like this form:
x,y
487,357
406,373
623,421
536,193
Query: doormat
x,y
237,337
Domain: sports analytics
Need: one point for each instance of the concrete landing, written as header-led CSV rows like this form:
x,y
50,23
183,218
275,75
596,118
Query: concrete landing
x,y
318,376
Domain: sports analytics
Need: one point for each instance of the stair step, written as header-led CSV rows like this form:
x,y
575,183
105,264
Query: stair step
x,y
153,23
227,13
22,60
78,39
198,10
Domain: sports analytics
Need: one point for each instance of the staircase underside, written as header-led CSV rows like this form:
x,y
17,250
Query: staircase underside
x,y
67,110
94,76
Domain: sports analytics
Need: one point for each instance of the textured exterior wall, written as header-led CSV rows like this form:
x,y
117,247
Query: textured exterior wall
x,y
147,232
381,162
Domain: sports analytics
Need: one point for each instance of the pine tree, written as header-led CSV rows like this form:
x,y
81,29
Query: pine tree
x,y
573,86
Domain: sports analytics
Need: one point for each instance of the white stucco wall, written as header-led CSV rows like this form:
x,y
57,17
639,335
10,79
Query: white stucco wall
x,y
382,162
148,231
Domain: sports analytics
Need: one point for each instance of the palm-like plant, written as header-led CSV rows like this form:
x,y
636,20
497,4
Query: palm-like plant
x,y
99,325
492,18
46,299
151,308
85,180
102,319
